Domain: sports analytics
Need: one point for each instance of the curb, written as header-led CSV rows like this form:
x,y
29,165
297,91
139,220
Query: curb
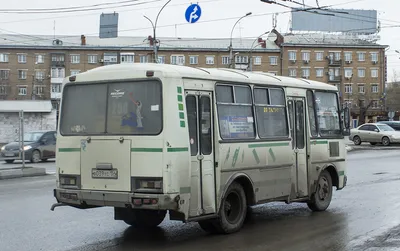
x,y
13,173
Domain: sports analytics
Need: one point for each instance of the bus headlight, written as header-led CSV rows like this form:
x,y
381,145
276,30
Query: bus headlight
x,y
149,185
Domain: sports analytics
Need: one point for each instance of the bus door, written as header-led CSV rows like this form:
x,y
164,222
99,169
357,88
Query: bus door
x,y
296,107
203,182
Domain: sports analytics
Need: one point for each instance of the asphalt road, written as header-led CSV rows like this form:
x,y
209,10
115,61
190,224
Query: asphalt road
x,y
363,216
50,165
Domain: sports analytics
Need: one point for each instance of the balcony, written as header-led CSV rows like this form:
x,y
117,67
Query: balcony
x,y
334,62
58,60
55,95
334,79
56,80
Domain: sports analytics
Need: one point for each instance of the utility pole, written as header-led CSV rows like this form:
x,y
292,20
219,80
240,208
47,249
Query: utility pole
x,y
230,44
250,67
154,25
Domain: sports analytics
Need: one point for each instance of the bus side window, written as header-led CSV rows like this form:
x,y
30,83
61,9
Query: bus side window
x,y
191,106
206,141
291,121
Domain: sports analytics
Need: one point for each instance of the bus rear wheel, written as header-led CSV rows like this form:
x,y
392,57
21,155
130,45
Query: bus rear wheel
x,y
321,199
144,218
233,211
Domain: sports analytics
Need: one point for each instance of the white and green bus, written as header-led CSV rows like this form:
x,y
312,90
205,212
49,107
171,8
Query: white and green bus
x,y
203,144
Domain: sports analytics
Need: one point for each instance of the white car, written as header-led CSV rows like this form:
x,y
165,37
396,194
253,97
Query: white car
x,y
374,133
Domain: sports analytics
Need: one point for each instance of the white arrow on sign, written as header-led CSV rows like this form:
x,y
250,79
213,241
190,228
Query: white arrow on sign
x,y
193,14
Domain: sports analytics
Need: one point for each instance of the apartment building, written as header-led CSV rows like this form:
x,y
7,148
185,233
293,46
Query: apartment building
x,y
34,67
357,67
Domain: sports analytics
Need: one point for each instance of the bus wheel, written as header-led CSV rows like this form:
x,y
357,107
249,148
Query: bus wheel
x,y
145,218
321,199
233,210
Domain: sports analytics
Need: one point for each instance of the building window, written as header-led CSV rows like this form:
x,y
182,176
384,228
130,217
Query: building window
x,y
348,56
3,90
305,72
39,75
75,59
210,60
225,60
110,58
161,59
57,58
292,55
348,72
273,73
375,88
319,56
56,88
92,59
361,56
348,88
305,56
361,88
374,73
361,72
3,57
292,72
39,59
75,72
143,59
241,59
195,59
374,57
319,72
39,90
178,59
273,60
22,74
257,60
57,72
22,90
4,74
127,58
375,104
21,58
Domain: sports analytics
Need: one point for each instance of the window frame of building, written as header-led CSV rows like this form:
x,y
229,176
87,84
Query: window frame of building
x,y
361,88
74,72
58,58
40,75
374,55
348,72
39,58
305,69
6,74
375,104
210,60
3,90
22,90
273,60
75,58
22,74
239,59
161,59
22,58
348,56
306,56
127,58
39,89
291,70
56,88
257,60
374,88
225,60
319,56
348,88
319,70
361,70
93,58
194,59
57,70
4,57
359,58
143,58
177,59
374,72
292,55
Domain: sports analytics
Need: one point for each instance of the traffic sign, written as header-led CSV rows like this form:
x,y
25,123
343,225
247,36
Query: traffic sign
x,y
193,13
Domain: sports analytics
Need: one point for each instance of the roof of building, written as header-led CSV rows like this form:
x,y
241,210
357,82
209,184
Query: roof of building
x,y
214,74
331,40
25,105
94,42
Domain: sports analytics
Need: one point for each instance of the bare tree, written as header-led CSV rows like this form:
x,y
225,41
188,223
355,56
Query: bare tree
x,y
364,100
393,93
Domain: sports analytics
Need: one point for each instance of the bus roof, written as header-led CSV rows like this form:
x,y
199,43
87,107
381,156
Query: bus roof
x,y
135,70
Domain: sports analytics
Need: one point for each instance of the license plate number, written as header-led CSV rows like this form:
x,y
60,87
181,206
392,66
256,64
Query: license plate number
x,y
105,174
9,154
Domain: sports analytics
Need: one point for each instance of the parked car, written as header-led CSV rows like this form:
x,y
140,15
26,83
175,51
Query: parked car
x,y
374,133
38,145
394,124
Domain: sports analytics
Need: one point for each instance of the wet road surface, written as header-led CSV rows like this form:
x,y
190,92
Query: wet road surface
x,y
363,216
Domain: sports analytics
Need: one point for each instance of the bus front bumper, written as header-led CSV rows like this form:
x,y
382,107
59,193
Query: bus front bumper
x,y
84,199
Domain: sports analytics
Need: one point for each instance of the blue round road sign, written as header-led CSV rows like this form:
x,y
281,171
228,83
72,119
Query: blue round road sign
x,y
193,13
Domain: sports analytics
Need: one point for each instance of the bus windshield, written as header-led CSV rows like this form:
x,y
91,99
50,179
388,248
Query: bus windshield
x,y
132,108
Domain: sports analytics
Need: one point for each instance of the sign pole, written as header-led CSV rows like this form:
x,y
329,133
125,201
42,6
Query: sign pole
x,y
22,139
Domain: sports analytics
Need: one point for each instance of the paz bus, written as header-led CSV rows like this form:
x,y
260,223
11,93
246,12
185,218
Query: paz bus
x,y
203,144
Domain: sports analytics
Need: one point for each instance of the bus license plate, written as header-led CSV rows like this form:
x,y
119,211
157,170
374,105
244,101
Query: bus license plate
x,y
105,174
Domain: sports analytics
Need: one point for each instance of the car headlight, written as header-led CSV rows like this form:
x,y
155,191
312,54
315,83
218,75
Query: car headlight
x,y
2,148
26,148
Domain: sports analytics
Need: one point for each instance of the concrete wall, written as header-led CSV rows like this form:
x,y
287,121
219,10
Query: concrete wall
x,y
9,124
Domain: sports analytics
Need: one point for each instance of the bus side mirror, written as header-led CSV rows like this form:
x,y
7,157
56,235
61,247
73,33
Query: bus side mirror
x,y
346,118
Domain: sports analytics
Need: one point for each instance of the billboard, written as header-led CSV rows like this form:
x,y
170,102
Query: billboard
x,y
108,25
335,20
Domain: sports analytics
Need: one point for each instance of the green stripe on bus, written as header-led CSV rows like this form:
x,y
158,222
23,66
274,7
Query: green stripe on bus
x,y
256,156
341,173
180,98
179,89
182,123
68,150
180,107
147,150
181,115
177,149
321,142
268,144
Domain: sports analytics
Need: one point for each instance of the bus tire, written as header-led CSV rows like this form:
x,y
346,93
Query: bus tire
x,y
322,197
233,210
140,218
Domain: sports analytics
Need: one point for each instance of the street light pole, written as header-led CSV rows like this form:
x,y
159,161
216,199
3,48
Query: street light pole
x,y
230,44
250,67
154,25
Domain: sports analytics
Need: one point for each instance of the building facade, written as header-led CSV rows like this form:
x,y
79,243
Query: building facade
x,y
34,67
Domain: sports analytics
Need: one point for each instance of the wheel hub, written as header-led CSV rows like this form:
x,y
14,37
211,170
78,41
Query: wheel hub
x,y
323,189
